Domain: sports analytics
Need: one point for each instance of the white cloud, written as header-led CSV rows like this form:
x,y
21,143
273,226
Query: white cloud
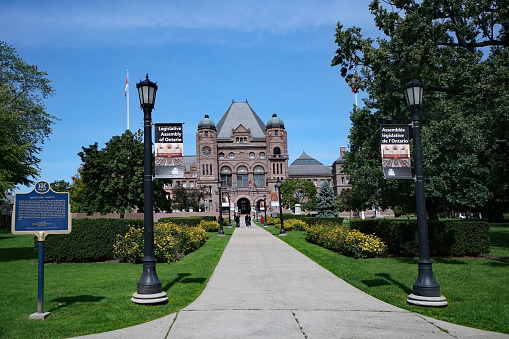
x,y
121,22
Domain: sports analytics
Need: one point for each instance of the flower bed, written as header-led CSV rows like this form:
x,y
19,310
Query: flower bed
x,y
347,242
171,242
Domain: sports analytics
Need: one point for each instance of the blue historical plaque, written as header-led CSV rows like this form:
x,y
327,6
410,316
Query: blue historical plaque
x,y
41,210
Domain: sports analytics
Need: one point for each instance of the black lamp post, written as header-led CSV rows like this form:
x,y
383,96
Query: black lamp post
x,y
221,232
149,289
282,231
229,213
265,208
426,291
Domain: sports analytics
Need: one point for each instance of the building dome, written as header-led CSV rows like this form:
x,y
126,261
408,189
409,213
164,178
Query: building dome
x,y
206,123
275,122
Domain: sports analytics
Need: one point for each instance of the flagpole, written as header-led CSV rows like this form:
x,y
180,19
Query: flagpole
x,y
127,95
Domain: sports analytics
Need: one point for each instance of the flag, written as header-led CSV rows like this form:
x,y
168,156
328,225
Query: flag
x,y
126,85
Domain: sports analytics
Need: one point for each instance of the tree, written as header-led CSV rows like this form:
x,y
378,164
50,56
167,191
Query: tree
x,y
185,198
326,202
60,186
113,176
458,48
24,122
299,191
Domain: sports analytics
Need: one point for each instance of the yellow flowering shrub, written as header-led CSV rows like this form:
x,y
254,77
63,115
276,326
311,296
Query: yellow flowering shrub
x,y
171,242
294,225
345,241
209,225
273,221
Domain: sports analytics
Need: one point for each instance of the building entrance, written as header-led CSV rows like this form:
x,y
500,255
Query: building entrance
x,y
244,206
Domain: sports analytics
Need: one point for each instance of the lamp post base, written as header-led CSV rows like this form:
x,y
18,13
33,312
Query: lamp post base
x,y
39,315
156,298
427,301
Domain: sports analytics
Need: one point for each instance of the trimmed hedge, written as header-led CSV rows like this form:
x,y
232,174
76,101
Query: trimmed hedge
x,y
90,240
446,238
189,221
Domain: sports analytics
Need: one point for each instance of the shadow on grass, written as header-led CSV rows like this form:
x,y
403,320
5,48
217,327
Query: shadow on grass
x,y
502,262
499,239
17,253
179,277
68,301
387,277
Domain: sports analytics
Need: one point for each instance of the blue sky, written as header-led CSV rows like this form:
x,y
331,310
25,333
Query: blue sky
x,y
202,54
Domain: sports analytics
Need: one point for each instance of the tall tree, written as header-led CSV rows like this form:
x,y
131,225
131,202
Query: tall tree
x,y
458,48
24,121
299,191
113,176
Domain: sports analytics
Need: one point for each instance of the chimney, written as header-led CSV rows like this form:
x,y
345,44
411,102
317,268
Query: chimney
x,y
342,150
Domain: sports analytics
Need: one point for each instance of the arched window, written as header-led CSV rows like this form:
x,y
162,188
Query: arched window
x,y
242,179
251,155
262,155
277,151
226,176
221,155
259,176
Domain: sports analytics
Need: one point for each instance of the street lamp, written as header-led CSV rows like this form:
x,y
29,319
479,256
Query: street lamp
x,y
265,208
149,290
221,232
426,291
282,231
229,214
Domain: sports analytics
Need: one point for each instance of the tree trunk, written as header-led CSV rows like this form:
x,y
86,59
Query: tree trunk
x,y
431,208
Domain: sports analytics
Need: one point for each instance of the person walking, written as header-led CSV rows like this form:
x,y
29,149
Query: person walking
x,y
246,219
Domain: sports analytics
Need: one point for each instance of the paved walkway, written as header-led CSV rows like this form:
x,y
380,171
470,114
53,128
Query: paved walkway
x,y
263,288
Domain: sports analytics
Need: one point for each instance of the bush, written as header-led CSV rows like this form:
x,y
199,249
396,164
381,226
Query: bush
x,y
90,240
209,225
171,242
189,221
294,225
446,238
347,242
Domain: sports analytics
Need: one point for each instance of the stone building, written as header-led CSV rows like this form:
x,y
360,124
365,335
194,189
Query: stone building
x,y
248,157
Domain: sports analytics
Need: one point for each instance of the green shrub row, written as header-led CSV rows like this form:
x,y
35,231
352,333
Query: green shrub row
x,y
446,238
90,239
348,242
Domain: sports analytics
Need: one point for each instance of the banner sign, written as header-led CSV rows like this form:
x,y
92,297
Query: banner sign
x,y
274,199
225,201
169,152
395,149
41,210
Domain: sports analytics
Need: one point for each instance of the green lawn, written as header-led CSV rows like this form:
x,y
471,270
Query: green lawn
x,y
91,298
476,289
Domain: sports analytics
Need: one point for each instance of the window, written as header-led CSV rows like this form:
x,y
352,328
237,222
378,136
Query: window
x,y
206,133
231,155
262,155
322,182
315,182
191,184
251,155
184,184
277,151
259,176
242,179
237,140
342,180
245,140
226,176
275,132
221,155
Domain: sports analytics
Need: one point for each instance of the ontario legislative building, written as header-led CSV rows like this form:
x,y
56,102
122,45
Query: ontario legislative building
x,y
248,157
